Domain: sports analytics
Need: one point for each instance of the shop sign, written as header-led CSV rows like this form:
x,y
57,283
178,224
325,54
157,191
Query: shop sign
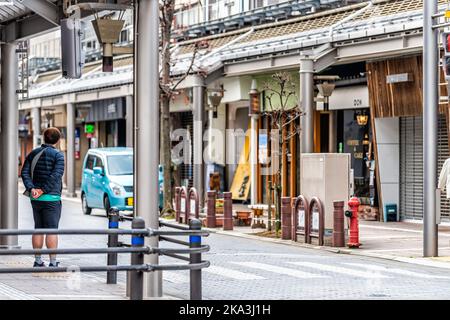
x,y
353,143
94,143
112,108
358,155
399,78
77,143
89,128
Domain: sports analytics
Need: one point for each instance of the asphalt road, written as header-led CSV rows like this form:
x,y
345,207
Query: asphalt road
x,y
251,269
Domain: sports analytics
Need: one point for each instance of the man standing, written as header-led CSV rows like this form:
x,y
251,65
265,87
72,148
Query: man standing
x,y
42,176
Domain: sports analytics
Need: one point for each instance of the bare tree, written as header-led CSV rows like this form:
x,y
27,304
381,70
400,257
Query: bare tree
x,y
168,86
284,120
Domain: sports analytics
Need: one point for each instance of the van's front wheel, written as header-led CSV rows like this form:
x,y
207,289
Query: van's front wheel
x,y
84,205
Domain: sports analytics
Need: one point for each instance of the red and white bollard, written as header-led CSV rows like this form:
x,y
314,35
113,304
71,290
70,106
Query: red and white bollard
x,y
353,241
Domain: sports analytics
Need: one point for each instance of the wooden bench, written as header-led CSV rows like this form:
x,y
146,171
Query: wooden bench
x,y
243,218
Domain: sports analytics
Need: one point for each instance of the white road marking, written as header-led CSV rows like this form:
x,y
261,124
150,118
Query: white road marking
x,y
280,270
402,249
233,274
265,254
15,294
340,270
74,296
175,277
397,271
398,229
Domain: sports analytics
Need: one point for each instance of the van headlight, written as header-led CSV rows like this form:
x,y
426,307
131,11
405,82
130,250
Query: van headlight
x,y
117,189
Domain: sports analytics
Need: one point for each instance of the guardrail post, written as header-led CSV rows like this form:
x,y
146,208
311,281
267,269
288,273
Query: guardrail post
x,y
211,214
286,218
196,275
137,277
338,224
113,239
227,211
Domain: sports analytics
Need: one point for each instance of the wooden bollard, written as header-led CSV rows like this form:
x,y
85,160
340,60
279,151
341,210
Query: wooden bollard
x,y
338,224
211,206
227,211
286,223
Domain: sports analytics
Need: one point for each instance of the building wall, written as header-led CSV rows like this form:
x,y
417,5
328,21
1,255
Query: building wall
x,y
47,45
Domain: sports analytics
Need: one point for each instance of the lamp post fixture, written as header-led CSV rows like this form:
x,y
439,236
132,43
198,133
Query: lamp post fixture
x,y
255,99
326,87
215,96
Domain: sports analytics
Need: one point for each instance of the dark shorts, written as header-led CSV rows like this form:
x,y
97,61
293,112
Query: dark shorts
x,y
46,214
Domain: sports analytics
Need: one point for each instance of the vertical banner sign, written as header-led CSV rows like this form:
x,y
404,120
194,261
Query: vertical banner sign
x,y
77,143
263,155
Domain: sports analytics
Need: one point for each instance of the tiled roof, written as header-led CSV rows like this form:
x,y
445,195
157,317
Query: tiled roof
x,y
315,21
292,34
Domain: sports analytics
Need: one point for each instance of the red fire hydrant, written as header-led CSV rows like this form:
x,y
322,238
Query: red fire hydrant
x,y
353,241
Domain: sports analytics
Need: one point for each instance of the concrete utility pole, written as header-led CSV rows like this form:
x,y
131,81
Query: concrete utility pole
x,y
430,125
199,119
70,161
146,191
307,104
9,139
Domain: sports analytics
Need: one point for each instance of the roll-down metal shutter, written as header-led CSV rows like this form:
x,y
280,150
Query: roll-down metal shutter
x,y
411,167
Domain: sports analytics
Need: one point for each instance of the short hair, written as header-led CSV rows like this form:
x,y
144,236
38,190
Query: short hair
x,y
52,135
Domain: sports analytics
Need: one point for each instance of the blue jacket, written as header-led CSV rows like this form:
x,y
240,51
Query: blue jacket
x,y
48,172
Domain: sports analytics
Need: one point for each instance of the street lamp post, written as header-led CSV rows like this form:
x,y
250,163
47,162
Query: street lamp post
x,y
430,114
147,131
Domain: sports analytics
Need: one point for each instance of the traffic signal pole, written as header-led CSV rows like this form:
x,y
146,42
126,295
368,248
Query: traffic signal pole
x,y
430,123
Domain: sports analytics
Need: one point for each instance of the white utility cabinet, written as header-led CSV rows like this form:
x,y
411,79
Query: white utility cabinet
x,y
326,176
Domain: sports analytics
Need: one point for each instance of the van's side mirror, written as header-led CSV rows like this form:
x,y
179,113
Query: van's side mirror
x,y
98,171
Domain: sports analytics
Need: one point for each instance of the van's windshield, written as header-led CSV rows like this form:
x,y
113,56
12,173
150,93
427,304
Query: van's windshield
x,y
120,165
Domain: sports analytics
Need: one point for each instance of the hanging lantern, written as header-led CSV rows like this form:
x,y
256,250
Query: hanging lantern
x,y
362,119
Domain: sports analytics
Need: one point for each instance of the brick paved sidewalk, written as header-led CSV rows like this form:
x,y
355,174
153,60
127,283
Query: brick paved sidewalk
x,y
63,286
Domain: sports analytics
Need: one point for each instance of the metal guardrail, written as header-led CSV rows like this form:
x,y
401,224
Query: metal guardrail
x,y
137,249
